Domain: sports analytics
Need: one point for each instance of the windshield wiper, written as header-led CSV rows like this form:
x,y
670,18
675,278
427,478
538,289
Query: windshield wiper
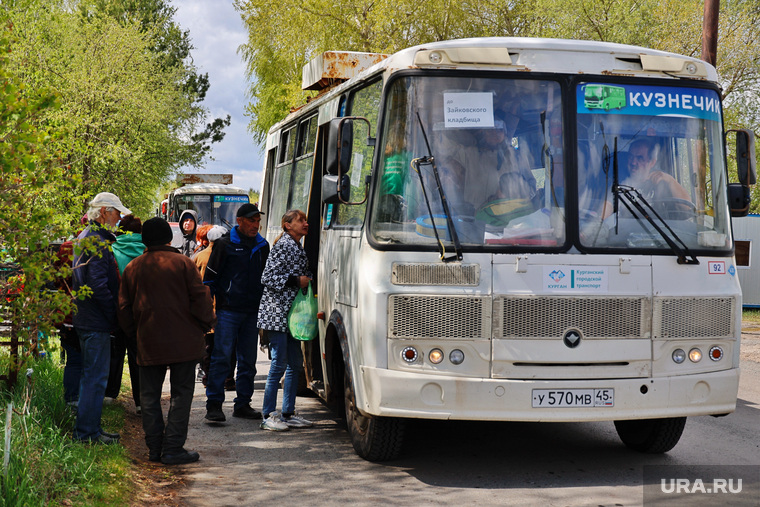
x,y
632,198
430,160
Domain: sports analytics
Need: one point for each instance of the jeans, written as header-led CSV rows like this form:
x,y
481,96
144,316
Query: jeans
x,y
96,358
287,359
235,331
122,345
168,439
72,372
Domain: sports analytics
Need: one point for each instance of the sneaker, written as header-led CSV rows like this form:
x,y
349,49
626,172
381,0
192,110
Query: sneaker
x,y
295,421
246,412
108,400
274,423
214,413
180,458
138,410
114,436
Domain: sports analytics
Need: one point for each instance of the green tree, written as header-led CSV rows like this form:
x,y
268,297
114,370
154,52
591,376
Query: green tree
x,y
31,179
130,99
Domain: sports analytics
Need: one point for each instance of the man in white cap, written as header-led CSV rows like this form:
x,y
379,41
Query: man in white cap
x,y
95,318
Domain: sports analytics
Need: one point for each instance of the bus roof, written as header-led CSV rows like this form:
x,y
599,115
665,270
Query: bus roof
x,y
210,188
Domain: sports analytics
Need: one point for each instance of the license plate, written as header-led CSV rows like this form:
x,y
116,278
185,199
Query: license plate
x,y
568,398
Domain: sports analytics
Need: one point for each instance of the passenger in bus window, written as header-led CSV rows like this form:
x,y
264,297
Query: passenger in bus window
x,y
286,272
233,274
395,176
516,197
188,222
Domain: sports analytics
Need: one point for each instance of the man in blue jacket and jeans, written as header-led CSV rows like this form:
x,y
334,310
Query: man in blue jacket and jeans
x,y
233,274
95,318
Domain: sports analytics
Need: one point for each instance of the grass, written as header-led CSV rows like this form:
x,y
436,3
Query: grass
x,y
752,316
45,466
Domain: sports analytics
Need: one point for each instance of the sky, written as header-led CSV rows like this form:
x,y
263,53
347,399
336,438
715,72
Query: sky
x,y
216,31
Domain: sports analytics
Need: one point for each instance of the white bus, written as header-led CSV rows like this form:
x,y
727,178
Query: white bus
x,y
215,203
487,247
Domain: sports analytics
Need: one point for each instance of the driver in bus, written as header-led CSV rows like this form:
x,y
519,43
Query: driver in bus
x,y
653,184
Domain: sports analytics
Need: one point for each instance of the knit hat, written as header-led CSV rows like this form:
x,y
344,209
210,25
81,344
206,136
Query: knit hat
x,y
156,231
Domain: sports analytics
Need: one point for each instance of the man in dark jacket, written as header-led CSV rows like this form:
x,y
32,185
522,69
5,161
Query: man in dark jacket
x,y
188,224
233,274
163,303
95,318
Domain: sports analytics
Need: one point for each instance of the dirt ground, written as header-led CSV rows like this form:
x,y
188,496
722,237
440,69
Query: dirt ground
x,y
155,484
160,485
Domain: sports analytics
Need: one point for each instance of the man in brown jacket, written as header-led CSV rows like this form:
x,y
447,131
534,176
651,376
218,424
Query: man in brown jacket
x,y
163,302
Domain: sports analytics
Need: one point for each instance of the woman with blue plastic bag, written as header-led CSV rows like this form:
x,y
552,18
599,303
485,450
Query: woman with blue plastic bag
x,y
286,272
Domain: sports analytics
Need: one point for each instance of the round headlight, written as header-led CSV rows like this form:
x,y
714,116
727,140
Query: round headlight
x,y
691,68
409,354
435,356
456,356
679,356
716,353
695,355
435,57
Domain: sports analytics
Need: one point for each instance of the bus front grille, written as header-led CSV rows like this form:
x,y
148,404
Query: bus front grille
x,y
676,318
421,316
435,274
539,317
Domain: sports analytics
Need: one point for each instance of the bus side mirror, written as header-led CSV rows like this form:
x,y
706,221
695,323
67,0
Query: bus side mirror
x,y
336,189
738,199
340,141
745,157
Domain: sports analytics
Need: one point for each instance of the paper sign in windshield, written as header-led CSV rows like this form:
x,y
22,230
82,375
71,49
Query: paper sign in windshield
x,y
462,110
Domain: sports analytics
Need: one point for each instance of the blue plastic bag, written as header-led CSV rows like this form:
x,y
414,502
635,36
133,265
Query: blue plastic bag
x,y
302,317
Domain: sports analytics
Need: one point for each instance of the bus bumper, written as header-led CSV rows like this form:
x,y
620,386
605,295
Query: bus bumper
x,y
392,393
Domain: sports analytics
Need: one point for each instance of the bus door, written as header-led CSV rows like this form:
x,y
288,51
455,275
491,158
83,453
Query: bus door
x,y
343,223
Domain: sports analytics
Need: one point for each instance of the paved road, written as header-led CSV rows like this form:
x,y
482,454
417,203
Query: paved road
x,y
449,462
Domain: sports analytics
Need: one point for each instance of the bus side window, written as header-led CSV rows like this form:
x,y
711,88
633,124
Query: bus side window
x,y
364,102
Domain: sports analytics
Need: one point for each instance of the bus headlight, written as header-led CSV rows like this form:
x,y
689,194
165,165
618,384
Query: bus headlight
x,y
716,353
456,356
435,356
695,355
409,354
679,356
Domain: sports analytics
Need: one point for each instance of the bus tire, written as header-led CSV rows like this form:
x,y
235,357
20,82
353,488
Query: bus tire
x,y
651,436
374,438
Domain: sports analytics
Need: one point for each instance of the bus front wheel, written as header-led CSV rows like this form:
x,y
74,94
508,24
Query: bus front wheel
x,y
374,438
651,436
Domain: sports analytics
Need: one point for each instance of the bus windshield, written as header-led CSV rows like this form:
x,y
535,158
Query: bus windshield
x,y
497,147
664,144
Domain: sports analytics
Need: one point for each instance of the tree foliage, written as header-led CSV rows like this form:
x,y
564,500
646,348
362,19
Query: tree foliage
x,y
95,95
130,96
31,178
276,51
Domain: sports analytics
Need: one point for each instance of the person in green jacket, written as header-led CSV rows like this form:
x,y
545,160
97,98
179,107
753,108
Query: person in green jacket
x,y
128,245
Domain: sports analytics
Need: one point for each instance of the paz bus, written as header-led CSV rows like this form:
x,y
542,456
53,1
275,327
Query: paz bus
x,y
215,203
481,247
